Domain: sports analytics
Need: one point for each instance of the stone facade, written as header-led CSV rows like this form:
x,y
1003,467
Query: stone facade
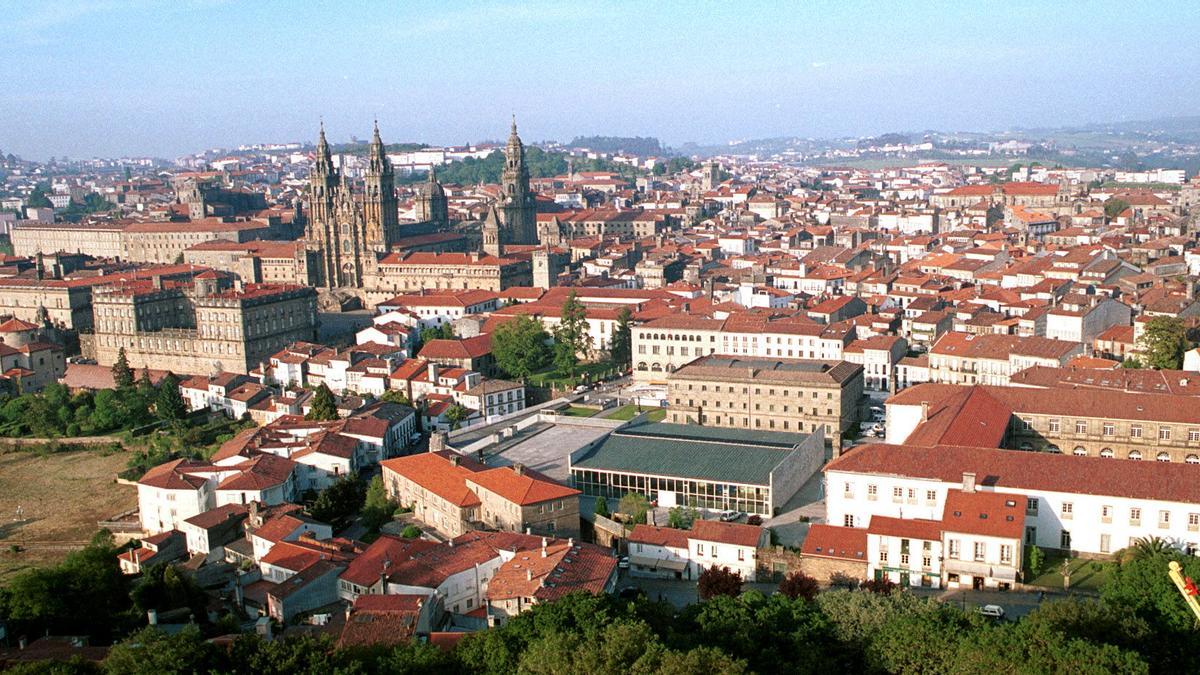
x,y
209,327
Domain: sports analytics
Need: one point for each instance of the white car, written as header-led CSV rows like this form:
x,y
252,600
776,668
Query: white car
x,y
730,516
994,611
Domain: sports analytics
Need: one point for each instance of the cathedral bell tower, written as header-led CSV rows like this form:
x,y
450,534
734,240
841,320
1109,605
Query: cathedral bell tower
x,y
518,207
379,199
320,233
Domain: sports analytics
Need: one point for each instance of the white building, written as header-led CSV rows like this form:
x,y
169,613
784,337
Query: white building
x,y
664,552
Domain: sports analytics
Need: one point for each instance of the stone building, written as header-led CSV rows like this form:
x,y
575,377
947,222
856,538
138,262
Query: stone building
x,y
208,325
764,394
147,242
411,272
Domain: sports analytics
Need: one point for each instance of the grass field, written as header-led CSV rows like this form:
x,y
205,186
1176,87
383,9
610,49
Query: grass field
x,y
628,412
61,496
578,411
1085,574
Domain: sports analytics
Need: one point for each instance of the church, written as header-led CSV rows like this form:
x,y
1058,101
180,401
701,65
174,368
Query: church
x,y
351,232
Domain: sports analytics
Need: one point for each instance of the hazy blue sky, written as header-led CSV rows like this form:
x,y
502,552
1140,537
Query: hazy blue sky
x,y
97,77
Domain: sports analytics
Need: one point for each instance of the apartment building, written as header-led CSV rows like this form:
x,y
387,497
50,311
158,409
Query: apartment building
x,y
963,358
770,394
454,494
1085,505
1100,423
664,345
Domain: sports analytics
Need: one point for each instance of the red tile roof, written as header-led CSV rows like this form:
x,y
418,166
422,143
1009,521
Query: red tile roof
x,y
727,533
831,541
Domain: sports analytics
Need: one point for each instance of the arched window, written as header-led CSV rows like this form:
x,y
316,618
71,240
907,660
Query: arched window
x,y
1054,449
1162,457
1135,455
641,365
1080,451
1026,446
1107,453
1192,459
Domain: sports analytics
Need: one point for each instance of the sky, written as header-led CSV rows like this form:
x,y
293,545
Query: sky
x,y
84,78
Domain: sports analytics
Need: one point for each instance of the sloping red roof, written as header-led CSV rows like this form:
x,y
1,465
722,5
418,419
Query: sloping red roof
x,y
737,534
831,541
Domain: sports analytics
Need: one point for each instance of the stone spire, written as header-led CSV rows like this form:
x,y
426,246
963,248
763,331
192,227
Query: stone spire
x,y
378,157
324,161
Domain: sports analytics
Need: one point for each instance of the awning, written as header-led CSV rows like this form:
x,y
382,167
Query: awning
x,y
658,563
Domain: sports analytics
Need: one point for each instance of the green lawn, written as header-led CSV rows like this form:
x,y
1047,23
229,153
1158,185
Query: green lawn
x,y
578,411
628,412
1085,574
585,372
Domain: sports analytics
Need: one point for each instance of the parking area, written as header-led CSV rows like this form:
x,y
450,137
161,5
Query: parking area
x,y
545,447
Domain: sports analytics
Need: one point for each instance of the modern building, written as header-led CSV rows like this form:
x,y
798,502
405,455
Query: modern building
x,y
706,467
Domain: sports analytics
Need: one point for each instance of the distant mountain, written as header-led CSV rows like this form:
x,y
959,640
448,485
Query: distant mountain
x,y
633,145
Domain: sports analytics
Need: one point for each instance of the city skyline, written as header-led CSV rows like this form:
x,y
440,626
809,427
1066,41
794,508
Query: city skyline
x,y
148,78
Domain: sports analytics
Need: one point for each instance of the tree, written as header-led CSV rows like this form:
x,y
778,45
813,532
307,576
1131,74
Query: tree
x,y
38,198
1035,558
378,508
716,581
602,507
1163,342
682,517
622,340
410,532
1115,207
151,651
799,585
1147,548
441,332
396,396
571,337
322,408
519,346
121,372
882,585
456,415
339,501
635,505
169,402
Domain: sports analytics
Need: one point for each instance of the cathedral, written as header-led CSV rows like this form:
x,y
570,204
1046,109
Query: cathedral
x,y
513,220
350,236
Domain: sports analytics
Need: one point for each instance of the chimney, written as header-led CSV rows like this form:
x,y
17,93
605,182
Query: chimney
x,y
454,459
156,282
968,484
432,371
349,611
570,541
519,469
543,547
528,574
924,411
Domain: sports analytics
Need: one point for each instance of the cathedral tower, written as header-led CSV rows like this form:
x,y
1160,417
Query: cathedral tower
x,y
518,206
379,198
431,202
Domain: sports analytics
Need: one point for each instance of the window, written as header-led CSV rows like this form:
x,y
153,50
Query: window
x,y
1107,453
699,549
1055,424
1067,510
1192,459
1006,554
1105,543
1135,431
1135,456
1164,433
848,520
1031,506
953,554
1110,429
1162,457
741,554
1164,519
1193,522
1026,424
883,555
1193,435
1135,516
931,495
1080,427
872,491
848,492
1079,451
1106,514
926,562
1064,540
980,551
897,494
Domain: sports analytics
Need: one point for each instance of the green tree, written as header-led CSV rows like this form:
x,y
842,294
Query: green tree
x,y
519,346
150,651
456,415
1163,343
571,337
378,508
338,502
1115,207
714,581
163,587
38,198
622,339
682,517
635,506
396,396
121,372
410,532
322,408
443,332
169,400
602,507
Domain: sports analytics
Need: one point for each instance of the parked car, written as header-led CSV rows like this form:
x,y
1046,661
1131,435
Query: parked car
x,y
623,562
993,611
730,516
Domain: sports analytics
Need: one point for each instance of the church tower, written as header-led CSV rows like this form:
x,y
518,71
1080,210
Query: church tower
x,y
320,234
518,207
431,202
379,199
491,232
